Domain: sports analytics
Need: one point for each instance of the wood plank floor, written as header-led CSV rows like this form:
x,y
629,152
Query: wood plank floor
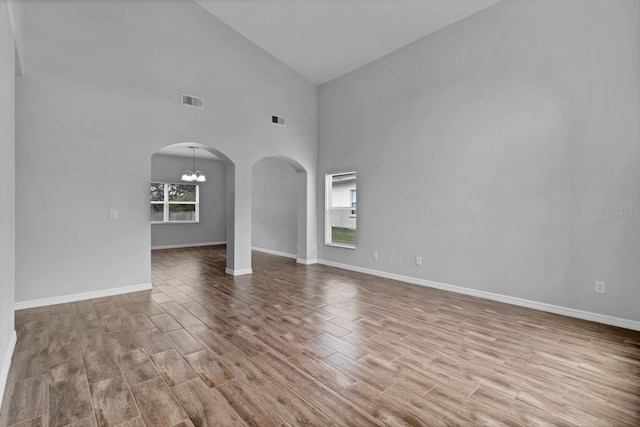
x,y
295,345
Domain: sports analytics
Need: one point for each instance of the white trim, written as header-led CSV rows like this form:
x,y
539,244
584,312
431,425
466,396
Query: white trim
x,y
272,252
174,222
550,308
19,305
6,363
238,272
306,261
341,245
188,245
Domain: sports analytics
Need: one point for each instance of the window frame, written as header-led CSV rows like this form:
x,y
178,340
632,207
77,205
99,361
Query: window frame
x,y
166,203
329,208
353,194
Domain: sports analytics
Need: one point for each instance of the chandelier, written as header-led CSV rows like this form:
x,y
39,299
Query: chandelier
x,y
190,175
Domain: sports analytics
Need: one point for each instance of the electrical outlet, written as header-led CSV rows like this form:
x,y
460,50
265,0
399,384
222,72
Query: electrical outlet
x,y
418,260
375,255
600,287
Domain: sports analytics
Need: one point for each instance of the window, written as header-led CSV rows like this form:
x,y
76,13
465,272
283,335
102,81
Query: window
x,y
174,202
340,210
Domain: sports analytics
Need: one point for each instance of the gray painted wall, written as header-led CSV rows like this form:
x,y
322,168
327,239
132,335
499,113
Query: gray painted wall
x,y
7,188
493,147
501,139
104,82
275,206
211,227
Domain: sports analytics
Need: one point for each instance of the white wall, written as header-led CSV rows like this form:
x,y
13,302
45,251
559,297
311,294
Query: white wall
x,y
104,82
7,192
275,206
503,138
211,227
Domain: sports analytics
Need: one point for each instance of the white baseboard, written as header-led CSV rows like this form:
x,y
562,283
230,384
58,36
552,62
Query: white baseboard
x,y
286,255
19,305
6,364
188,245
272,252
238,272
550,308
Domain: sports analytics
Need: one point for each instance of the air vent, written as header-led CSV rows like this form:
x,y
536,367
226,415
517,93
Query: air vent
x,y
192,101
276,120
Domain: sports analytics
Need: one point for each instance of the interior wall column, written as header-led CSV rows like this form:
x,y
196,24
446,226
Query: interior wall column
x,y
307,240
238,219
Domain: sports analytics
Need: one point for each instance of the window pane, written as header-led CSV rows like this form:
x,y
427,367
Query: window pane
x,y
157,192
178,212
343,190
182,193
343,227
157,212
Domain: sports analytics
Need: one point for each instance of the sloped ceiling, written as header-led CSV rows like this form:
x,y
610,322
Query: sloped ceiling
x,y
324,39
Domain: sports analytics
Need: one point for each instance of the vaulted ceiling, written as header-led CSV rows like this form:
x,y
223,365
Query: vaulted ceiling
x,y
324,39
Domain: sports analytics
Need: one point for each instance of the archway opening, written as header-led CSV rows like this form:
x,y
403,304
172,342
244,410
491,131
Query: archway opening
x,y
279,207
190,214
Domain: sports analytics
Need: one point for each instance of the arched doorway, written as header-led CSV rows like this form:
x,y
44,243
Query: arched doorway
x,y
190,214
280,208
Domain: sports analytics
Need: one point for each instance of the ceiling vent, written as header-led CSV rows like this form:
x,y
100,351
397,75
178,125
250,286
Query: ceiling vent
x,y
192,101
276,120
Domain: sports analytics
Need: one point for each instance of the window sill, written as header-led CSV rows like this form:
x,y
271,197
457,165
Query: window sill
x,y
174,222
338,245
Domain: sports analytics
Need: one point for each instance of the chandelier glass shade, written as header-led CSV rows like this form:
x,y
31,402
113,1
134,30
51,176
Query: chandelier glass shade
x,y
189,175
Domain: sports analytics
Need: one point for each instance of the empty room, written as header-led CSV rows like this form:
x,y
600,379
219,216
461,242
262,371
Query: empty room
x,y
319,212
